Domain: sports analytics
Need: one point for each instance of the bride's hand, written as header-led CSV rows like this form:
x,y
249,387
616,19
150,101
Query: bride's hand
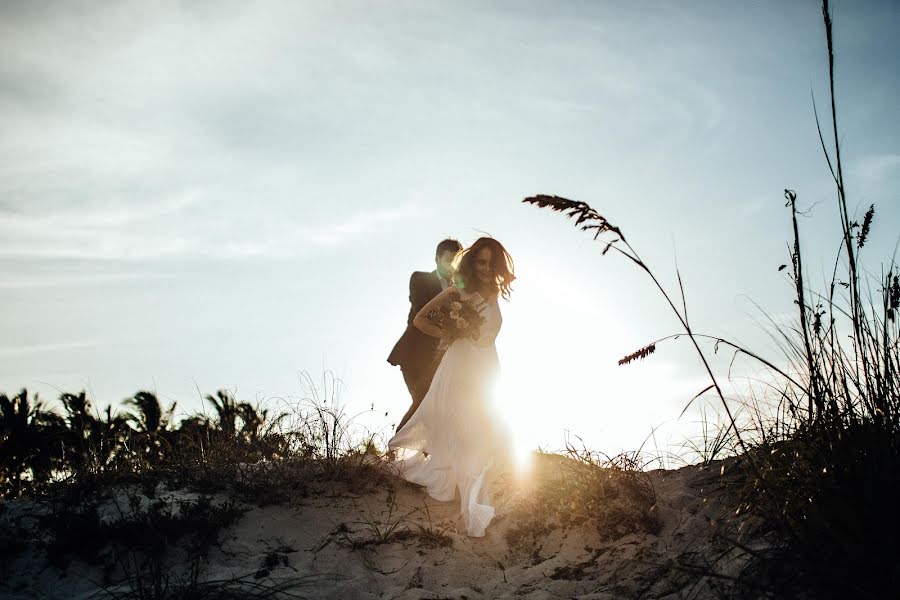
x,y
421,320
443,344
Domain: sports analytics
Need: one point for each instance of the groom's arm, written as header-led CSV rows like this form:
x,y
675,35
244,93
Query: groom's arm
x,y
418,294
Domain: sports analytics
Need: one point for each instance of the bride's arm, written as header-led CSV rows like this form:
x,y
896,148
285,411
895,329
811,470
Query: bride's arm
x,y
421,320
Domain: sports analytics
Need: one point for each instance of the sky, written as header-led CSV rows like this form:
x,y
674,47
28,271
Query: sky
x,y
226,195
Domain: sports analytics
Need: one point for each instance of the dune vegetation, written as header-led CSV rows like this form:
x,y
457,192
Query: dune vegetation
x,y
818,460
795,498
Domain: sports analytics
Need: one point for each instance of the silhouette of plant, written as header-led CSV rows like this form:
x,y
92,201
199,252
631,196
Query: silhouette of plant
x,y
82,425
149,418
588,219
227,412
152,440
29,436
92,443
820,474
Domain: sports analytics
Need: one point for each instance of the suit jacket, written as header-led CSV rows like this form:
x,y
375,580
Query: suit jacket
x,y
415,349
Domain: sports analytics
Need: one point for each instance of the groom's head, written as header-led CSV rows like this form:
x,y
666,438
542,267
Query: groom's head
x,y
444,254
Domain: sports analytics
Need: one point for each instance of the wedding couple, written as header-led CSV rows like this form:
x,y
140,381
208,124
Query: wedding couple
x,y
449,440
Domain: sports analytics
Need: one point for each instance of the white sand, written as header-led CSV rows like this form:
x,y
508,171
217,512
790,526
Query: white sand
x,y
338,537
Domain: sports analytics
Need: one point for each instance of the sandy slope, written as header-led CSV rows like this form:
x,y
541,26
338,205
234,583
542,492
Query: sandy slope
x,y
392,541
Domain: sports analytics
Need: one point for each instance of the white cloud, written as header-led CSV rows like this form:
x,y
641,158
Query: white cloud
x,y
360,223
42,349
101,218
877,166
19,281
135,232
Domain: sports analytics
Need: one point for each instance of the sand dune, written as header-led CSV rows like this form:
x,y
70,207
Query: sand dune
x,y
389,540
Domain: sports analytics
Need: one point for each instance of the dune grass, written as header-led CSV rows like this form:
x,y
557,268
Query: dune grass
x,y
74,466
815,468
585,489
819,463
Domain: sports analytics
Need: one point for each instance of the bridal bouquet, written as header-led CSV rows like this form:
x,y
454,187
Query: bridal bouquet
x,y
459,319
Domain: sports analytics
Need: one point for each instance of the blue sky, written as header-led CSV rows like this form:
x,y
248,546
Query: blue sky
x,y
197,196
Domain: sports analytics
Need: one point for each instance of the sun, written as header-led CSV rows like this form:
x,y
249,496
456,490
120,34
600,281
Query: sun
x,y
519,412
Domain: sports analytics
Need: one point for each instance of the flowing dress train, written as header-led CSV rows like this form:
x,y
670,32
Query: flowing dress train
x,y
454,442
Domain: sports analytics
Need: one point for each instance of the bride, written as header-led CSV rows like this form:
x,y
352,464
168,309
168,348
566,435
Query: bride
x,y
454,443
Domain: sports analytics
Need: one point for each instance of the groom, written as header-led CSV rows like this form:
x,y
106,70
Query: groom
x,y
415,352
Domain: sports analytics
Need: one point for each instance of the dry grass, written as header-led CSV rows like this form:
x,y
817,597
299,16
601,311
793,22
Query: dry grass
x,y
819,464
583,489
241,452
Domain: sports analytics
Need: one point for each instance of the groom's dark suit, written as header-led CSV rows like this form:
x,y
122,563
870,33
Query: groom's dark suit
x,y
415,352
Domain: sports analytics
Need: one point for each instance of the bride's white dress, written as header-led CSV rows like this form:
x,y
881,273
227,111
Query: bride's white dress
x,y
454,442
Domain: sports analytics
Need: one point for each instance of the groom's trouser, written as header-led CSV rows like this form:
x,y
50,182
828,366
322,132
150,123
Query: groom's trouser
x,y
418,380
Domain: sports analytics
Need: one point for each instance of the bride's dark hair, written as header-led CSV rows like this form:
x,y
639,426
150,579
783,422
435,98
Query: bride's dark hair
x,y
501,265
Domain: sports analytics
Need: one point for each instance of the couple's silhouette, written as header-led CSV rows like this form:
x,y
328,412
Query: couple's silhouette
x,y
450,440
